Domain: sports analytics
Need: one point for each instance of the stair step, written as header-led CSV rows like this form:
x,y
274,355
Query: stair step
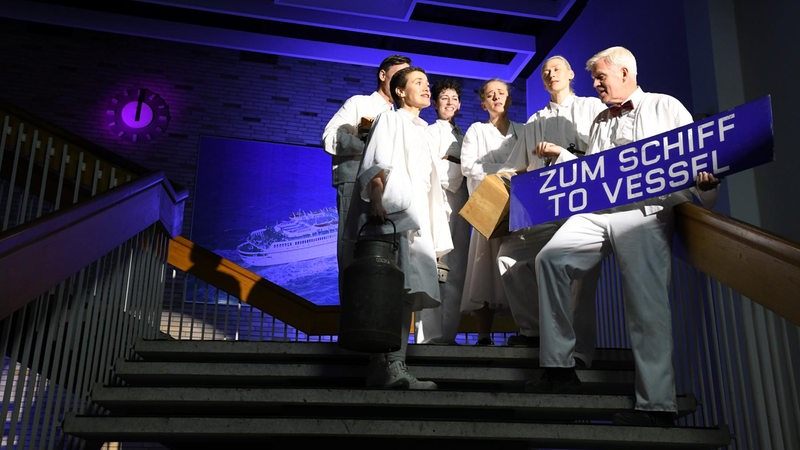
x,y
259,374
388,433
507,368
264,401
214,394
252,351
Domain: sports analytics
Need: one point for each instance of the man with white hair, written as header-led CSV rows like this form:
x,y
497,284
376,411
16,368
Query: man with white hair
x,y
639,234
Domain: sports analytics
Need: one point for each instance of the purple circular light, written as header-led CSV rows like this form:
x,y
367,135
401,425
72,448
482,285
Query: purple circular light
x,y
137,114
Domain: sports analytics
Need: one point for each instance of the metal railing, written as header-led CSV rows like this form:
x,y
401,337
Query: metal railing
x,y
58,346
45,168
738,358
83,253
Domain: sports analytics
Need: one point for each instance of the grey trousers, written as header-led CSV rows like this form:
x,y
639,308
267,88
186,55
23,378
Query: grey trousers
x,y
642,247
516,262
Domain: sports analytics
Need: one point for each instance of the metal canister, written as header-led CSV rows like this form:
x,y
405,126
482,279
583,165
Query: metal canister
x,y
372,296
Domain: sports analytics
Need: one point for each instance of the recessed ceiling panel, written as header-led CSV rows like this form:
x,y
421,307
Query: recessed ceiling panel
x,y
465,38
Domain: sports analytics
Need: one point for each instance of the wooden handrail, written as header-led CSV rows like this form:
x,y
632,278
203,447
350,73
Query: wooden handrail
x,y
253,289
272,299
763,267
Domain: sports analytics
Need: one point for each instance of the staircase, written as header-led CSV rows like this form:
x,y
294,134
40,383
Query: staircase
x,y
238,394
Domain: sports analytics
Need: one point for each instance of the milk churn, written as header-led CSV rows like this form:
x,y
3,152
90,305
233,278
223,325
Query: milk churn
x,y
372,296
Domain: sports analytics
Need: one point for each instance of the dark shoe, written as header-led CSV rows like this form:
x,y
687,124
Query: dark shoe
x,y
521,340
638,418
555,380
582,361
484,342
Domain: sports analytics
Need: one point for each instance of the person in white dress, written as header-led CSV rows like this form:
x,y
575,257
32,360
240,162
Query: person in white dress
x,y
398,181
486,147
565,121
639,234
343,139
440,325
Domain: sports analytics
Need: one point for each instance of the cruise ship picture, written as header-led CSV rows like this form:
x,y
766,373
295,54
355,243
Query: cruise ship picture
x,y
305,235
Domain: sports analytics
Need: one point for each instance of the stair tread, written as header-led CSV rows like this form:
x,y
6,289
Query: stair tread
x,y
187,394
234,429
186,350
201,400
261,373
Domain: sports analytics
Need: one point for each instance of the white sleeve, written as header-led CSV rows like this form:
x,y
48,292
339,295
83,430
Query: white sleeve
x,y
470,166
340,136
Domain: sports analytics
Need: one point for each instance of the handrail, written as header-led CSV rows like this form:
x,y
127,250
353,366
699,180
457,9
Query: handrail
x,y
763,267
253,289
271,298
45,251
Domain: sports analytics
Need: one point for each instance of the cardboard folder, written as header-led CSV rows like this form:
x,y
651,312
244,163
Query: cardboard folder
x,y
487,208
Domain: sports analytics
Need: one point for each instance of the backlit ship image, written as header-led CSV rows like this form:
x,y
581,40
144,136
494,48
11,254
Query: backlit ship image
x,y
305,235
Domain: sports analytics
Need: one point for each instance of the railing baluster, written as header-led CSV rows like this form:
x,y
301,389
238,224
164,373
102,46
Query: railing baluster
x,y
22,214
48,154
14,167
80,169
62,174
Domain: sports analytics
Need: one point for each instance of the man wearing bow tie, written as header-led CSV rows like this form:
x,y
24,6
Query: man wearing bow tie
x,y
639,234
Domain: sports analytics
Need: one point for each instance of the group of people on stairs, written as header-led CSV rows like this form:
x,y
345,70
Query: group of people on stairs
x,y
389,163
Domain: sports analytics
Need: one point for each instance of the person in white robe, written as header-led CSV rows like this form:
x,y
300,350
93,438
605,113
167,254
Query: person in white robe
x,y
397,180
485,149
565,121
343,139
440,325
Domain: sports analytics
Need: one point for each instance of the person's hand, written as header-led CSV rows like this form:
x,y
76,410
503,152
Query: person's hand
x,y
378,213
706,181
548,151
507,173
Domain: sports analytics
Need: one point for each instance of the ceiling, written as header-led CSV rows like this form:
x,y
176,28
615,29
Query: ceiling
x,y
466,38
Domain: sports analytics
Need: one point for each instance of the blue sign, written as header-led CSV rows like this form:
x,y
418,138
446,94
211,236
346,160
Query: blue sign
x,y
723,144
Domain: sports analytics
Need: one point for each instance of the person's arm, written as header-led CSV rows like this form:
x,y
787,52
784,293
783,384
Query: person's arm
x,y
376,164
495,159
375,192
446,148
454,176
518,161
553,153
340,136
470,165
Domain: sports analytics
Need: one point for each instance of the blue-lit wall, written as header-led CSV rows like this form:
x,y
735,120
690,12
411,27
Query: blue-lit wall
x,y
70,76
653,31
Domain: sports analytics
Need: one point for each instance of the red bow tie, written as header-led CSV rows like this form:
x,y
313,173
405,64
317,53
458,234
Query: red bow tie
x,y
618,110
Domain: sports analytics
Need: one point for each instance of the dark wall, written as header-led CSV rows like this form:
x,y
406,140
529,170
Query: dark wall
x,y
654,31
713,56
769,47
69,77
